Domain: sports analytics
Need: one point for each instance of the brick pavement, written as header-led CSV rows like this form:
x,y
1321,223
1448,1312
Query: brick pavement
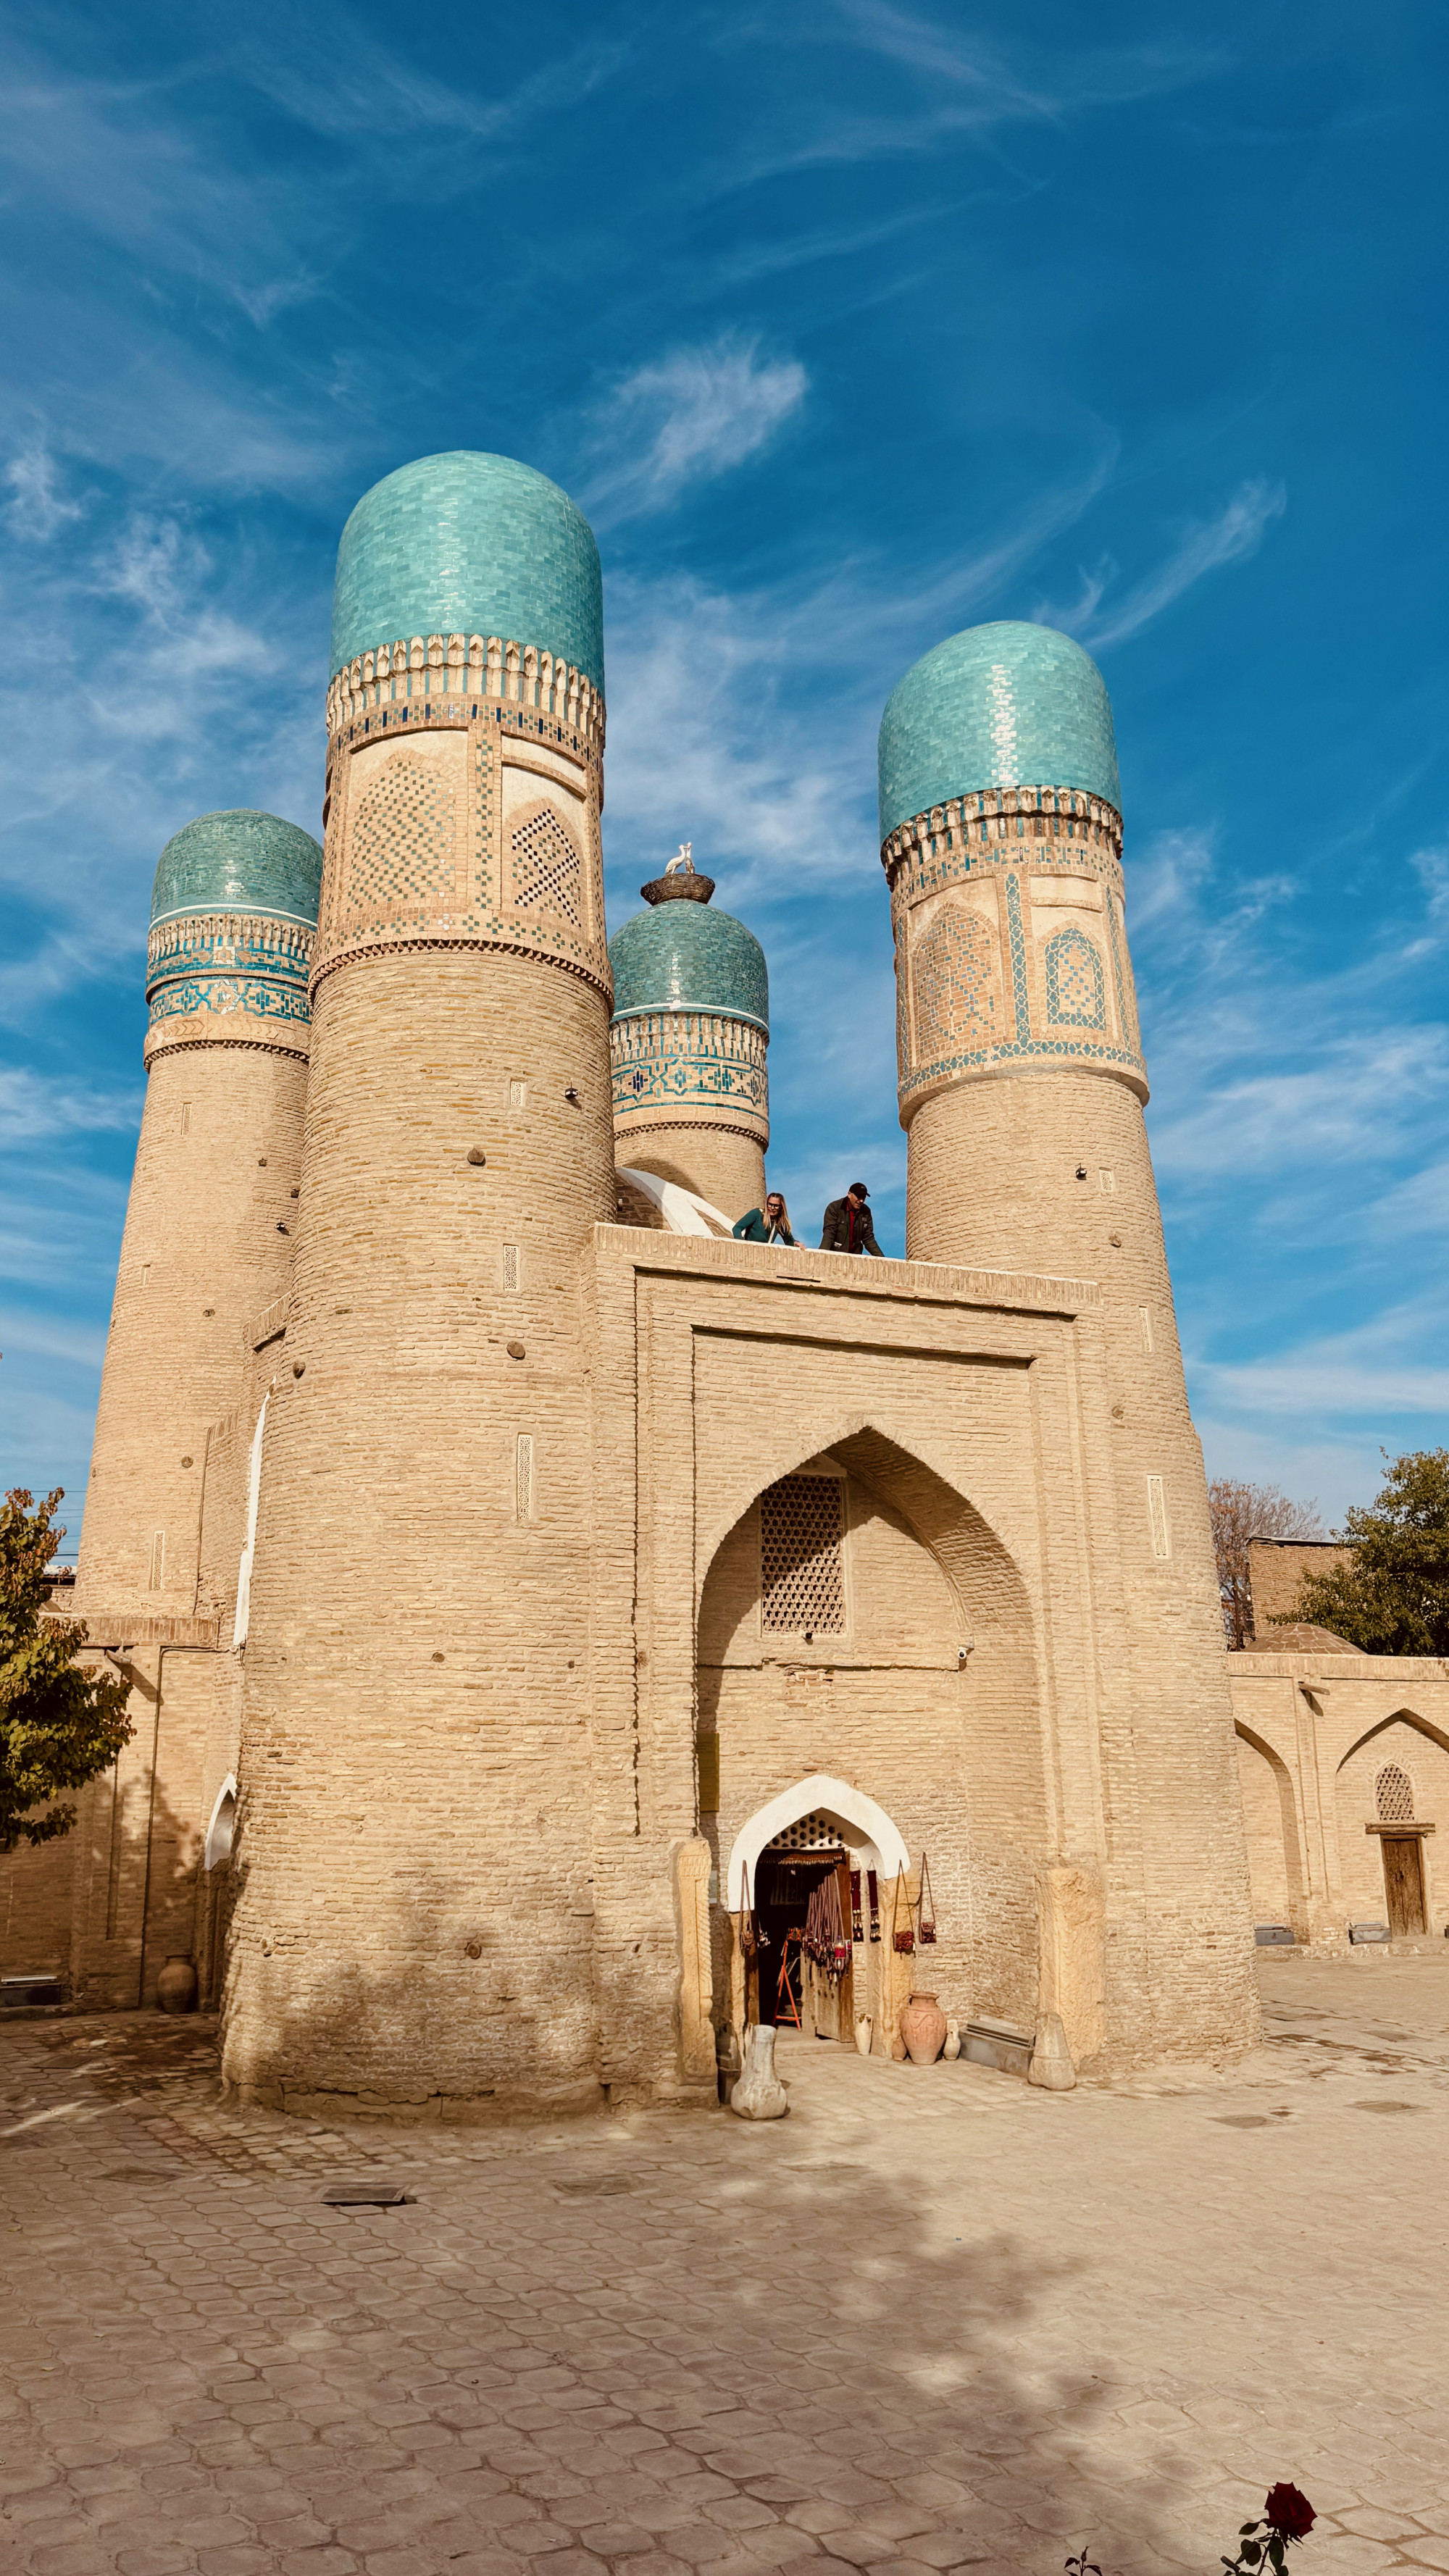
x,y
932,2320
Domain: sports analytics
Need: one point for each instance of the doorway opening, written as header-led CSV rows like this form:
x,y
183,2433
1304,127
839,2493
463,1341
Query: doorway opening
x,y
1404,1884
794,1990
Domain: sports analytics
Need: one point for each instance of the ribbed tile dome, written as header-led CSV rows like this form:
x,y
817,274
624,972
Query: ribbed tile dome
x,y
467,544
688,957
239,862
1008,705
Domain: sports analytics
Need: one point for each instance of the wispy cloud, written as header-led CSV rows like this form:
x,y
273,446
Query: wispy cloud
x,y
686,418
1101,616
38,507
32,1107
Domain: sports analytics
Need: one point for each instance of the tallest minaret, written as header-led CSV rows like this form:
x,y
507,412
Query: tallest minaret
x,y
1022,1088
413,1823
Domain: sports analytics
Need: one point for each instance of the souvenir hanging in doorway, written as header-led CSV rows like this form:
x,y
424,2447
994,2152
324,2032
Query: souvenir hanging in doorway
x,y
856,1933
903,1936
753,1935
825,1938
872,1884
926,1913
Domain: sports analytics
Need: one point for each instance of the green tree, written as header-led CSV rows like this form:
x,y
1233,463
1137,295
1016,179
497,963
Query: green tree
x,y
59,1725
1392,1597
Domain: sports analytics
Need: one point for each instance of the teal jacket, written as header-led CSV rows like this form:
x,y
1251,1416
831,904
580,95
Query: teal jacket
x,y
756,1228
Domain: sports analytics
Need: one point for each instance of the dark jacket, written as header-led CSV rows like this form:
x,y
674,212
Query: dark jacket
x,y
835,1234
755,1228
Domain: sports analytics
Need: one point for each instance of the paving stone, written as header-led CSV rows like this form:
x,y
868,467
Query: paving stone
x,y
1024,2326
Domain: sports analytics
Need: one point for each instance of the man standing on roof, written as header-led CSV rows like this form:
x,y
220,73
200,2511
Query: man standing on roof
x,y
848,1226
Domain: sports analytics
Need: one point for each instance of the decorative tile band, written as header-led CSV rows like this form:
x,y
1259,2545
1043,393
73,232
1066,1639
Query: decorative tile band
x,y
213,977
1010,941
670,1066
467,825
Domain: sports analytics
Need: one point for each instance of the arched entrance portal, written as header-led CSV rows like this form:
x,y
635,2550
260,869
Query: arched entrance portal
x,y
821,1830
862,1622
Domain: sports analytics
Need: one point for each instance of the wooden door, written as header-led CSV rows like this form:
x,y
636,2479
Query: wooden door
x,y
1404,1883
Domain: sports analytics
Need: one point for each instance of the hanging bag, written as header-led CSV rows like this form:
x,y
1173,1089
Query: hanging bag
x,y
902,1939
749,1942
926,1913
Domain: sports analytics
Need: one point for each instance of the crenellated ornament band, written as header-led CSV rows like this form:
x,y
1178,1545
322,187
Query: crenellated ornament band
x,y
228,979
1011,941
692,1068
420,671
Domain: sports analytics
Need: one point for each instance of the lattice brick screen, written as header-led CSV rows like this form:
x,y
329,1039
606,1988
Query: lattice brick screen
x,y
808,1833
546,875
802,1577
1394,1795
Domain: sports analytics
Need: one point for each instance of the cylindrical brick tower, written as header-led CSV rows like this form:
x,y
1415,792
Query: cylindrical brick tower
x,y
208,1239
414,1816
1021,1090
690,1028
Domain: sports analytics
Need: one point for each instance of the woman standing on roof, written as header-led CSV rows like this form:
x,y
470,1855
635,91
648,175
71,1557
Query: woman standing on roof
x,y
769,1224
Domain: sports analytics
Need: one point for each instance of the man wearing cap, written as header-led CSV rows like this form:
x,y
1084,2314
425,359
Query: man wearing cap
x,y
847,1225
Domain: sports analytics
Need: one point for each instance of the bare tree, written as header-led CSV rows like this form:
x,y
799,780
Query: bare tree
x,y
1241,1512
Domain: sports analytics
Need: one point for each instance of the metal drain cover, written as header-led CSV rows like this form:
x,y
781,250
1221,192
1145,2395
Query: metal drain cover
x,y
364,2195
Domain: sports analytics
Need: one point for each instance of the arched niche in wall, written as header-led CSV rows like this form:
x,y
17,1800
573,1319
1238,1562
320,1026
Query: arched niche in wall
x,y
223,1820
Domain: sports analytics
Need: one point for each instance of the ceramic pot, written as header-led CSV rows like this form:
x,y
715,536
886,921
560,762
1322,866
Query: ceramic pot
x,y
923,2028
862,2033
952,2049
176,1986
759,2094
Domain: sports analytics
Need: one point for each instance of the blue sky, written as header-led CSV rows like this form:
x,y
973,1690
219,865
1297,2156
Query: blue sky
x,y
849,325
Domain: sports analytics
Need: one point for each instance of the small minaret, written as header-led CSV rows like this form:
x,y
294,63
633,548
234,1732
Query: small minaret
x,y
414,1817
1021,1091
688,1038
210,1224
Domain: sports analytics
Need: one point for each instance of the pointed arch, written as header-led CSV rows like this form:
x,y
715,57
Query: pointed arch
x,y
861,1822
1399,1717
1288,1840
223,1820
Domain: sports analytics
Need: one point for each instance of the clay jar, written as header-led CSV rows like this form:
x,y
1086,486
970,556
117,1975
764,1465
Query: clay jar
x,y
176,1986
923,2028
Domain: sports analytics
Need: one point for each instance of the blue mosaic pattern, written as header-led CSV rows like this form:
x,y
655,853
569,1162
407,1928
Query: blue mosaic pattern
x,y
997,706
469,544
1122,978
1075,987
668,1065
242,861
226,995
224,963
688,957
955,980
1018,957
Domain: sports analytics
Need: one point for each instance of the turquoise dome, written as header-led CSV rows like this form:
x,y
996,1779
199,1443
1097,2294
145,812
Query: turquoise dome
x,y
469,545
239,862
688,957
998,706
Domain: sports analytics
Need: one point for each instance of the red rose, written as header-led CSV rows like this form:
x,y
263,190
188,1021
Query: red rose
x,y
1289,2512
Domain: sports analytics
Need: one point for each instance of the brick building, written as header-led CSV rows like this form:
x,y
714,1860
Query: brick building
x,y
520,1579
